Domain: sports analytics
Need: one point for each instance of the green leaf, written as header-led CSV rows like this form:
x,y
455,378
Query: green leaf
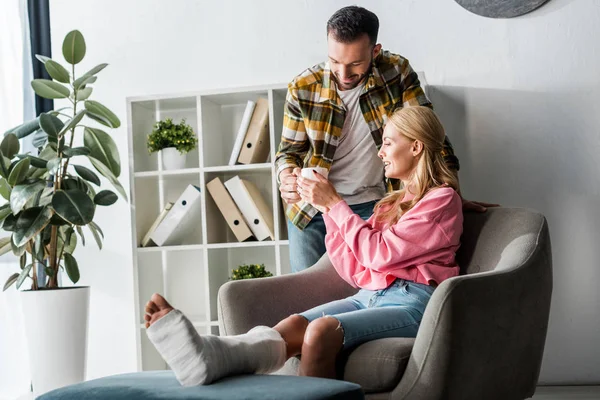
x,y
96,235
25,129
84,94
96,69
11,279
87,174
24,274
73,122
18,251
74,47
57,71
57,220
37,162
10,146
80,82
4,164
102,114
47,154
71,267
102,148
31,221
10,222
74,206
80,232
21,194
53,165
103,169
95,225
19,172
42,58
5,189
51,124
49,89
105,198
5,211
5,245
76,151
67,241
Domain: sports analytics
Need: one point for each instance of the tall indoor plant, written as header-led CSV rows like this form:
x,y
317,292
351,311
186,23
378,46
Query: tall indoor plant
x,y
50,198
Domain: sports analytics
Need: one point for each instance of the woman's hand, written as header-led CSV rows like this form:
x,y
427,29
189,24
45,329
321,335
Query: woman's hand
x,y
318,191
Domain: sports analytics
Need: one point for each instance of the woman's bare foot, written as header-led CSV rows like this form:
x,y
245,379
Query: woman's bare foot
x,y
156,308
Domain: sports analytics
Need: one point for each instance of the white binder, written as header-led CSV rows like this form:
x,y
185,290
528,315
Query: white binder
x,y
181,220
256,212
239,140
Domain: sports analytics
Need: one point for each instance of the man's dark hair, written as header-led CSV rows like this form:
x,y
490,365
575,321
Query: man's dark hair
x,y
350,23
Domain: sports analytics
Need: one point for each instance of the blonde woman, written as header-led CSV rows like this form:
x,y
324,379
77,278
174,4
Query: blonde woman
x,y
396,259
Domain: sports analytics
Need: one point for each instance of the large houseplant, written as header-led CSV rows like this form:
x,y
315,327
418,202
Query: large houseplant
x,y
50,198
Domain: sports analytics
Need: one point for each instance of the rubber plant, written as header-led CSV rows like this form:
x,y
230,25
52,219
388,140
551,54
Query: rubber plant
x,y
50,195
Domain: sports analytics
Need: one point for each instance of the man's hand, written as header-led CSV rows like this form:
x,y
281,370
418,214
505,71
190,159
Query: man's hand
x,y
288,187
319,192
477,206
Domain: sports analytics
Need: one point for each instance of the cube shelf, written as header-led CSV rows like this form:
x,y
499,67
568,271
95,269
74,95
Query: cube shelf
x,y
190,272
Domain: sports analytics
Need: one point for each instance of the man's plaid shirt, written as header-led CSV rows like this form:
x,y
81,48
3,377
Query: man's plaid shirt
x,y
314,116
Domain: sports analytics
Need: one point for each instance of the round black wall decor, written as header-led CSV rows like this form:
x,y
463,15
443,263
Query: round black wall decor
x,y
500,8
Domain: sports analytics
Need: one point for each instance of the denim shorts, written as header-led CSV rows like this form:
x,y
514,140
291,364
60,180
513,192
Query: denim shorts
x,y
395,311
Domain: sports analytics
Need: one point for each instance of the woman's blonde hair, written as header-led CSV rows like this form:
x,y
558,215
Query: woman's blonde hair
x,y
418,123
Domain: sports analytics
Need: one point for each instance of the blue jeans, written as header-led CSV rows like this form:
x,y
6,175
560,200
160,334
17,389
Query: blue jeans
x,y
395,311
308,245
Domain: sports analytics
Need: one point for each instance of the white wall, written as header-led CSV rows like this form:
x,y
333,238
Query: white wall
x,y
520,99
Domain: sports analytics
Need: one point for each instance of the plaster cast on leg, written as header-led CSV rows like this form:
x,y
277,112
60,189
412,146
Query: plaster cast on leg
x,y
200,360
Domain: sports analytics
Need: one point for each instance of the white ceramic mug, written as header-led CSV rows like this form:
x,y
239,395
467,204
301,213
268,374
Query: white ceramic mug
x,y
308,172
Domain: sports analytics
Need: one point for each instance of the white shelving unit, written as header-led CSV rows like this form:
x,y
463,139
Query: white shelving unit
x,y
191,273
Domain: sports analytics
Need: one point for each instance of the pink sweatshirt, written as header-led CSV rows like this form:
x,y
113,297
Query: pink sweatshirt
x,y
420,247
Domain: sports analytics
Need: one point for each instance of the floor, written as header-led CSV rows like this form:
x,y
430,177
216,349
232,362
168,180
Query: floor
x,y
567,393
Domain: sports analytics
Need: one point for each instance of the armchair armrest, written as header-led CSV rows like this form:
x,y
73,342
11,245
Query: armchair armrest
x,y
245,304
478,327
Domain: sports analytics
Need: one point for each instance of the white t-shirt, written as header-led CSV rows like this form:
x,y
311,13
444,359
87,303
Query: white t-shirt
x,y
357,171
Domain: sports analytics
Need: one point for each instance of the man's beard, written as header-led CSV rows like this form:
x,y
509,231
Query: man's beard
x,y
359,81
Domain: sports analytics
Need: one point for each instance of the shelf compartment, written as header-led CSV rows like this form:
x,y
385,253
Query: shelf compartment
x,y
143,117
150,279
146,205
221,119
217,229
221,263
151,359
284,259
184,280
190,232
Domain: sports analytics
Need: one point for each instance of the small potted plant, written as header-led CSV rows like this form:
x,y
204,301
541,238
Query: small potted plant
x,y
174,141
249,271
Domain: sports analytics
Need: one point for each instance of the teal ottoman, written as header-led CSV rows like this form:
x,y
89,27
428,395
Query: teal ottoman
x,y
162,385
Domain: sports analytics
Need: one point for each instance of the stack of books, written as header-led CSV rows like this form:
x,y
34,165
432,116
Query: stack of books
x,y
243,207
252,142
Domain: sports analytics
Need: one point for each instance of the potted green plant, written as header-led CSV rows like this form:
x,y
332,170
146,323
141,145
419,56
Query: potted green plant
x,y
250,271
51,197
173,141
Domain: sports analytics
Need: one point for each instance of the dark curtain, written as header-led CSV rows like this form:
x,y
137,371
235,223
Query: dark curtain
x,y
39,29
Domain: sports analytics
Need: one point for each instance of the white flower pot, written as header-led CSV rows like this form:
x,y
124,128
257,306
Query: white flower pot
x,y
56,327
172,158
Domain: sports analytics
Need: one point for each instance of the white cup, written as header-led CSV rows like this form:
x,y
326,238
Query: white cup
x,y
308,172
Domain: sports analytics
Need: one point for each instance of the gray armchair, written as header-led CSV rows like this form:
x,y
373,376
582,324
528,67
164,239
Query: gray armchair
x,y
482,335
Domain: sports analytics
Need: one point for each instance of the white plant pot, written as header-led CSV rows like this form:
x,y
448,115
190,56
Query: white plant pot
x,y
172,158
56,327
